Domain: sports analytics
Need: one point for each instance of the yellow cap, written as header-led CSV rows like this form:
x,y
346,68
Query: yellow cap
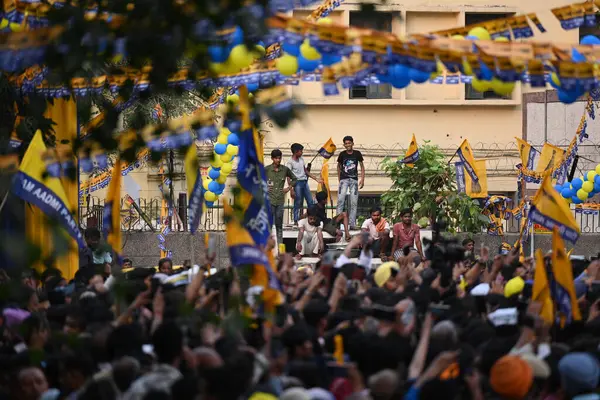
x,y
384,272
514,286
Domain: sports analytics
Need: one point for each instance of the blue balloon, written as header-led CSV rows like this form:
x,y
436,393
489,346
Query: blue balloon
x,y
577,56
220,148
252,87
567,97
418,76
307,65
221,186
214,173
383,78
218,191
400,82
558,188
330,59
233,125
576,183
566,193
292,49
576,200
237,37
471,37
597,187
486,72
233,139
210,203
590,40
218,54
213,186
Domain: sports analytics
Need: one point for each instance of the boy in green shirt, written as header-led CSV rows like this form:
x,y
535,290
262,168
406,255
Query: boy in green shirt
x,y
276,177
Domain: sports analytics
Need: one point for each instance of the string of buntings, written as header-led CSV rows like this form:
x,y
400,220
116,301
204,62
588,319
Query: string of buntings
x,y
496,208
587,209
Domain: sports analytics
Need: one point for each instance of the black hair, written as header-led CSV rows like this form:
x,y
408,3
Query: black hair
x,y
320,196
296,147
311,212
375,209
127,260
164,260
467,241
406,211
348,139
33,324
167,342
79,362
276,153
92,233
78,315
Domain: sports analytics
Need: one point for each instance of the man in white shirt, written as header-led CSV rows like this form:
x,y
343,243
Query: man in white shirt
x,y
379,232
310,235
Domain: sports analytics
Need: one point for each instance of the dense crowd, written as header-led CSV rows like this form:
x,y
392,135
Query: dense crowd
x,y
457,325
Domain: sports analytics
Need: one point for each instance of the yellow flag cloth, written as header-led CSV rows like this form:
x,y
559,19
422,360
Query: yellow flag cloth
x,y
328,149
465,153
111,222
541,289
550,158
563,286
479,189
412,153
46,193
549,209
325,176
527,153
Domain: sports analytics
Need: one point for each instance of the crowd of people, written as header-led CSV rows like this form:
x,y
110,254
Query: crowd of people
x,y
457,323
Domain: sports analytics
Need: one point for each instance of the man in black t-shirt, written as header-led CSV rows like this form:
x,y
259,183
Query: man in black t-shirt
x,y
347,166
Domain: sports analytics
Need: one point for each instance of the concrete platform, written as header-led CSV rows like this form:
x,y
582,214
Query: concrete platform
x,y
312,261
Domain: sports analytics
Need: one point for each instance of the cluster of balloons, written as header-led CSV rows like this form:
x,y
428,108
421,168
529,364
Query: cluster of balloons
x,y
302,56
580,189
488,81
225,151
571,94
235,56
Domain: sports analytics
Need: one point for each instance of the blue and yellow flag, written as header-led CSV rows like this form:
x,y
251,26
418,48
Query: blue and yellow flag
x,y
328,149
477,189
325,185
527,153
194,187
549,209
244,251
562,284
252,179
541,289
111,220
412,153
47,194
550,158
465,153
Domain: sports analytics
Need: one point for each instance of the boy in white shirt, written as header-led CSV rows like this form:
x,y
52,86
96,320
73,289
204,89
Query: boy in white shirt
x,y
310,235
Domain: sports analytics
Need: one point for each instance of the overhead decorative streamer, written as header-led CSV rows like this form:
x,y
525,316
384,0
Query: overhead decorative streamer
x,y
48,193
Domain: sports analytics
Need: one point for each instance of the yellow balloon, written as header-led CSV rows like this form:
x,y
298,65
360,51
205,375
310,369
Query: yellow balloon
x,y
582,194
210,196
555,79
240,56
502,88
287,65
591,176
259,51
480,86
232,150
501,39
325,21
15,27
225,131
598,169
467,68
480,33
217,68
216,162
569,200
3,23
309,52
205,183
233,99
457,37
225,158
588,186
222,179
226,168
230,68
222,139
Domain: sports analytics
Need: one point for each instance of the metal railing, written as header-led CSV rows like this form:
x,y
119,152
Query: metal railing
x,y
145,215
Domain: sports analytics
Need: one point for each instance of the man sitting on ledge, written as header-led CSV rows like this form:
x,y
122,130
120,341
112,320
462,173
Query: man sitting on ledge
x,y
379,232
330,225
310,235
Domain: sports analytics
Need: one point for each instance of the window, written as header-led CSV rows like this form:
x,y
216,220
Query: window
x,y
376,20
588,30
476,18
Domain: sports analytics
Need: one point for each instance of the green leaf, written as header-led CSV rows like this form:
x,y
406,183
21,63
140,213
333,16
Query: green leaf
x,y
416,207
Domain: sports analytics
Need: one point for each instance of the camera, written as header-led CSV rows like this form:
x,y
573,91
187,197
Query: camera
x,y
443,252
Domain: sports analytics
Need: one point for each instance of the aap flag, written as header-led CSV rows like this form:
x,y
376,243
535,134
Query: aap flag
x,y
46,194
112,211
195,188
466,156
328,149
412,153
